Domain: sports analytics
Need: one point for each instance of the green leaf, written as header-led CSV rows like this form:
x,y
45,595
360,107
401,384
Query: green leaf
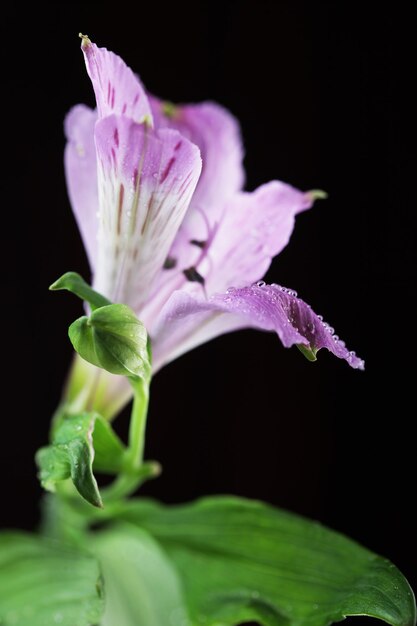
x,y
114,339
79,440
73,282
142,586
244,560
43,583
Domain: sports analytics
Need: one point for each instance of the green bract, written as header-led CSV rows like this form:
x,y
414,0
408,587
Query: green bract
x,y
79,443
73,282
114,339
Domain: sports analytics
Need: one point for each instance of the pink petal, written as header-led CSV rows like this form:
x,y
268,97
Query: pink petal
x,y
187,320
217,133
254,227
118,90
81,174
146,180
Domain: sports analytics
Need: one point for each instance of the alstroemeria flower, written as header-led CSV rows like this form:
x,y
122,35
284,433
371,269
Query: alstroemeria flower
x,y
171,233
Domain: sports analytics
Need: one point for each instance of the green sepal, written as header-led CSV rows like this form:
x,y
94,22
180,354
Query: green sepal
x,y
81,442
43,582
73,282
309,352
114,339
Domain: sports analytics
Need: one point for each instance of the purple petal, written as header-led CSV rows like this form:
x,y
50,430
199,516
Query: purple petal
x,y
145,180
81,174
188,320
117,88
217,133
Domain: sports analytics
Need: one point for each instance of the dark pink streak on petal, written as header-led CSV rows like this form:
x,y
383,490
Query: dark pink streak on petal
x,y
178,146
110,74
120,208
148,212
116,137
167,170
135,177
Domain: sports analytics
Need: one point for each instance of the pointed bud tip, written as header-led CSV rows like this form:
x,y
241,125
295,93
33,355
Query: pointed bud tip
x,y
156,468
317,194
57,285
86,42
169,109
147,121
308,351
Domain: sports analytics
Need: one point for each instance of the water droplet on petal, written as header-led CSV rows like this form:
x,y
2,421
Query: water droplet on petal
x,y
155,175
261,283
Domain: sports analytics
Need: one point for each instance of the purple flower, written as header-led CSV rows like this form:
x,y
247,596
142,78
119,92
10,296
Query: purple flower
x,y
157,193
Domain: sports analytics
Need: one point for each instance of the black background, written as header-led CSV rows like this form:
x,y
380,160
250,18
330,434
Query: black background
x,y
323,96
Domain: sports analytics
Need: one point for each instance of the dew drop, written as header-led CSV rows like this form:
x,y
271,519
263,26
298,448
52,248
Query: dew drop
x,y
155,175
320,317
261,283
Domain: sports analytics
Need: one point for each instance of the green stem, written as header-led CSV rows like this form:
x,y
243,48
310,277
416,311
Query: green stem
x,y
134,458
127,482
